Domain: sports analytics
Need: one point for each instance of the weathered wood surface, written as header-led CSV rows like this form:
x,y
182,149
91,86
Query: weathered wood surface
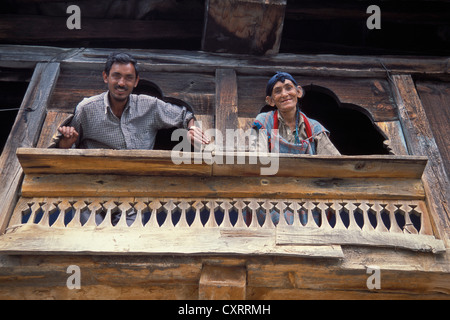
x,y
420,141
226,105
41,232
177,277
243,26
288,236
49,130
95,185
435,97
396,143
35,239
153,162
25,133
16,56
223,283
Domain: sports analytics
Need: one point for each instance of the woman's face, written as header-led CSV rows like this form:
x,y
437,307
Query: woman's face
x,y
285,95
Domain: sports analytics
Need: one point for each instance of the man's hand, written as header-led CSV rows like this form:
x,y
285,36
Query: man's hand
x,y
69,137
197,136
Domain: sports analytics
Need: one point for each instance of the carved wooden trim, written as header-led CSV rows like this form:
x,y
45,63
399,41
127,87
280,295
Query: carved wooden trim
x,y
212,226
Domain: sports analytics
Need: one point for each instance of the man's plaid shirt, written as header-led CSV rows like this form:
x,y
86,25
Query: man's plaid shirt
x,y
143,116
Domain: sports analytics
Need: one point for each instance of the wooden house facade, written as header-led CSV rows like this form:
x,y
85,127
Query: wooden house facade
x,y
382,213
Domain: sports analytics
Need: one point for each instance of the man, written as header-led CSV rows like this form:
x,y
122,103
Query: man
x,y
118,119
296,133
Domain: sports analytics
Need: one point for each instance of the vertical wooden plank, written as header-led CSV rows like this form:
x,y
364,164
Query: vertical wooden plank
x,y
50,129
435,97
226,100
420,141
243,26
25,133
223,283
396,143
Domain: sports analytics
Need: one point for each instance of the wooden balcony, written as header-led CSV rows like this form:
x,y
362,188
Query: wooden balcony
x,y
135,203
202,230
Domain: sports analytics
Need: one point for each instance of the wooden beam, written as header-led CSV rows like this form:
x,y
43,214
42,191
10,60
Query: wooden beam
x,y
158,162
25,133
288,236
177,277
183,61
82,185
223,283
435,95
243,26
35,239
120,162
420,141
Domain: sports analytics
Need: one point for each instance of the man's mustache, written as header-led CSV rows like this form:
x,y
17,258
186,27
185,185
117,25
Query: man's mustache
x,y
122,88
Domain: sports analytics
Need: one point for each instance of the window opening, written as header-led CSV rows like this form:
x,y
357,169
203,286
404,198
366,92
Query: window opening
x,y
415,219
13,86
372,215
331,214
163,139
400,218
219,214
385,217
190,215
161,215
176,215
351,129
344,214
233,216
359,217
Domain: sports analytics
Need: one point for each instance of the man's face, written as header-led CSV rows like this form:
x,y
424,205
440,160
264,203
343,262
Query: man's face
x,y
285,95
121,81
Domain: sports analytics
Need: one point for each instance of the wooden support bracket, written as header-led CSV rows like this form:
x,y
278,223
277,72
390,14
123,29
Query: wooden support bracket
x,y
223,283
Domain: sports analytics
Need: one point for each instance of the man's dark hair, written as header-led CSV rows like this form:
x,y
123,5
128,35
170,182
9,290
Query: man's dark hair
x,y
120,57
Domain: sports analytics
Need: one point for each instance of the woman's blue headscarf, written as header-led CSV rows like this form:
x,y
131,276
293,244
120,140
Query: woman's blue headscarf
x,y
279,76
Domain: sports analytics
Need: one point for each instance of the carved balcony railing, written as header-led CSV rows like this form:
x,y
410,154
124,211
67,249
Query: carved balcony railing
x,y
141,202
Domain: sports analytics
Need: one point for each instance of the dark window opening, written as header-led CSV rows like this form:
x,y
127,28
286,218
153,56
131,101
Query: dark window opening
x,y
148,88
351,130
13,86
163,140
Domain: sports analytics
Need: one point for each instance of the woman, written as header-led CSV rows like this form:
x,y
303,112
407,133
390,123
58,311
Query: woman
x,y
288,130
296,133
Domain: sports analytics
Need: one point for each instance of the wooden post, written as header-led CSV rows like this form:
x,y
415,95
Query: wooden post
x,y
223,283
226,100
420,140
25,133
243,26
